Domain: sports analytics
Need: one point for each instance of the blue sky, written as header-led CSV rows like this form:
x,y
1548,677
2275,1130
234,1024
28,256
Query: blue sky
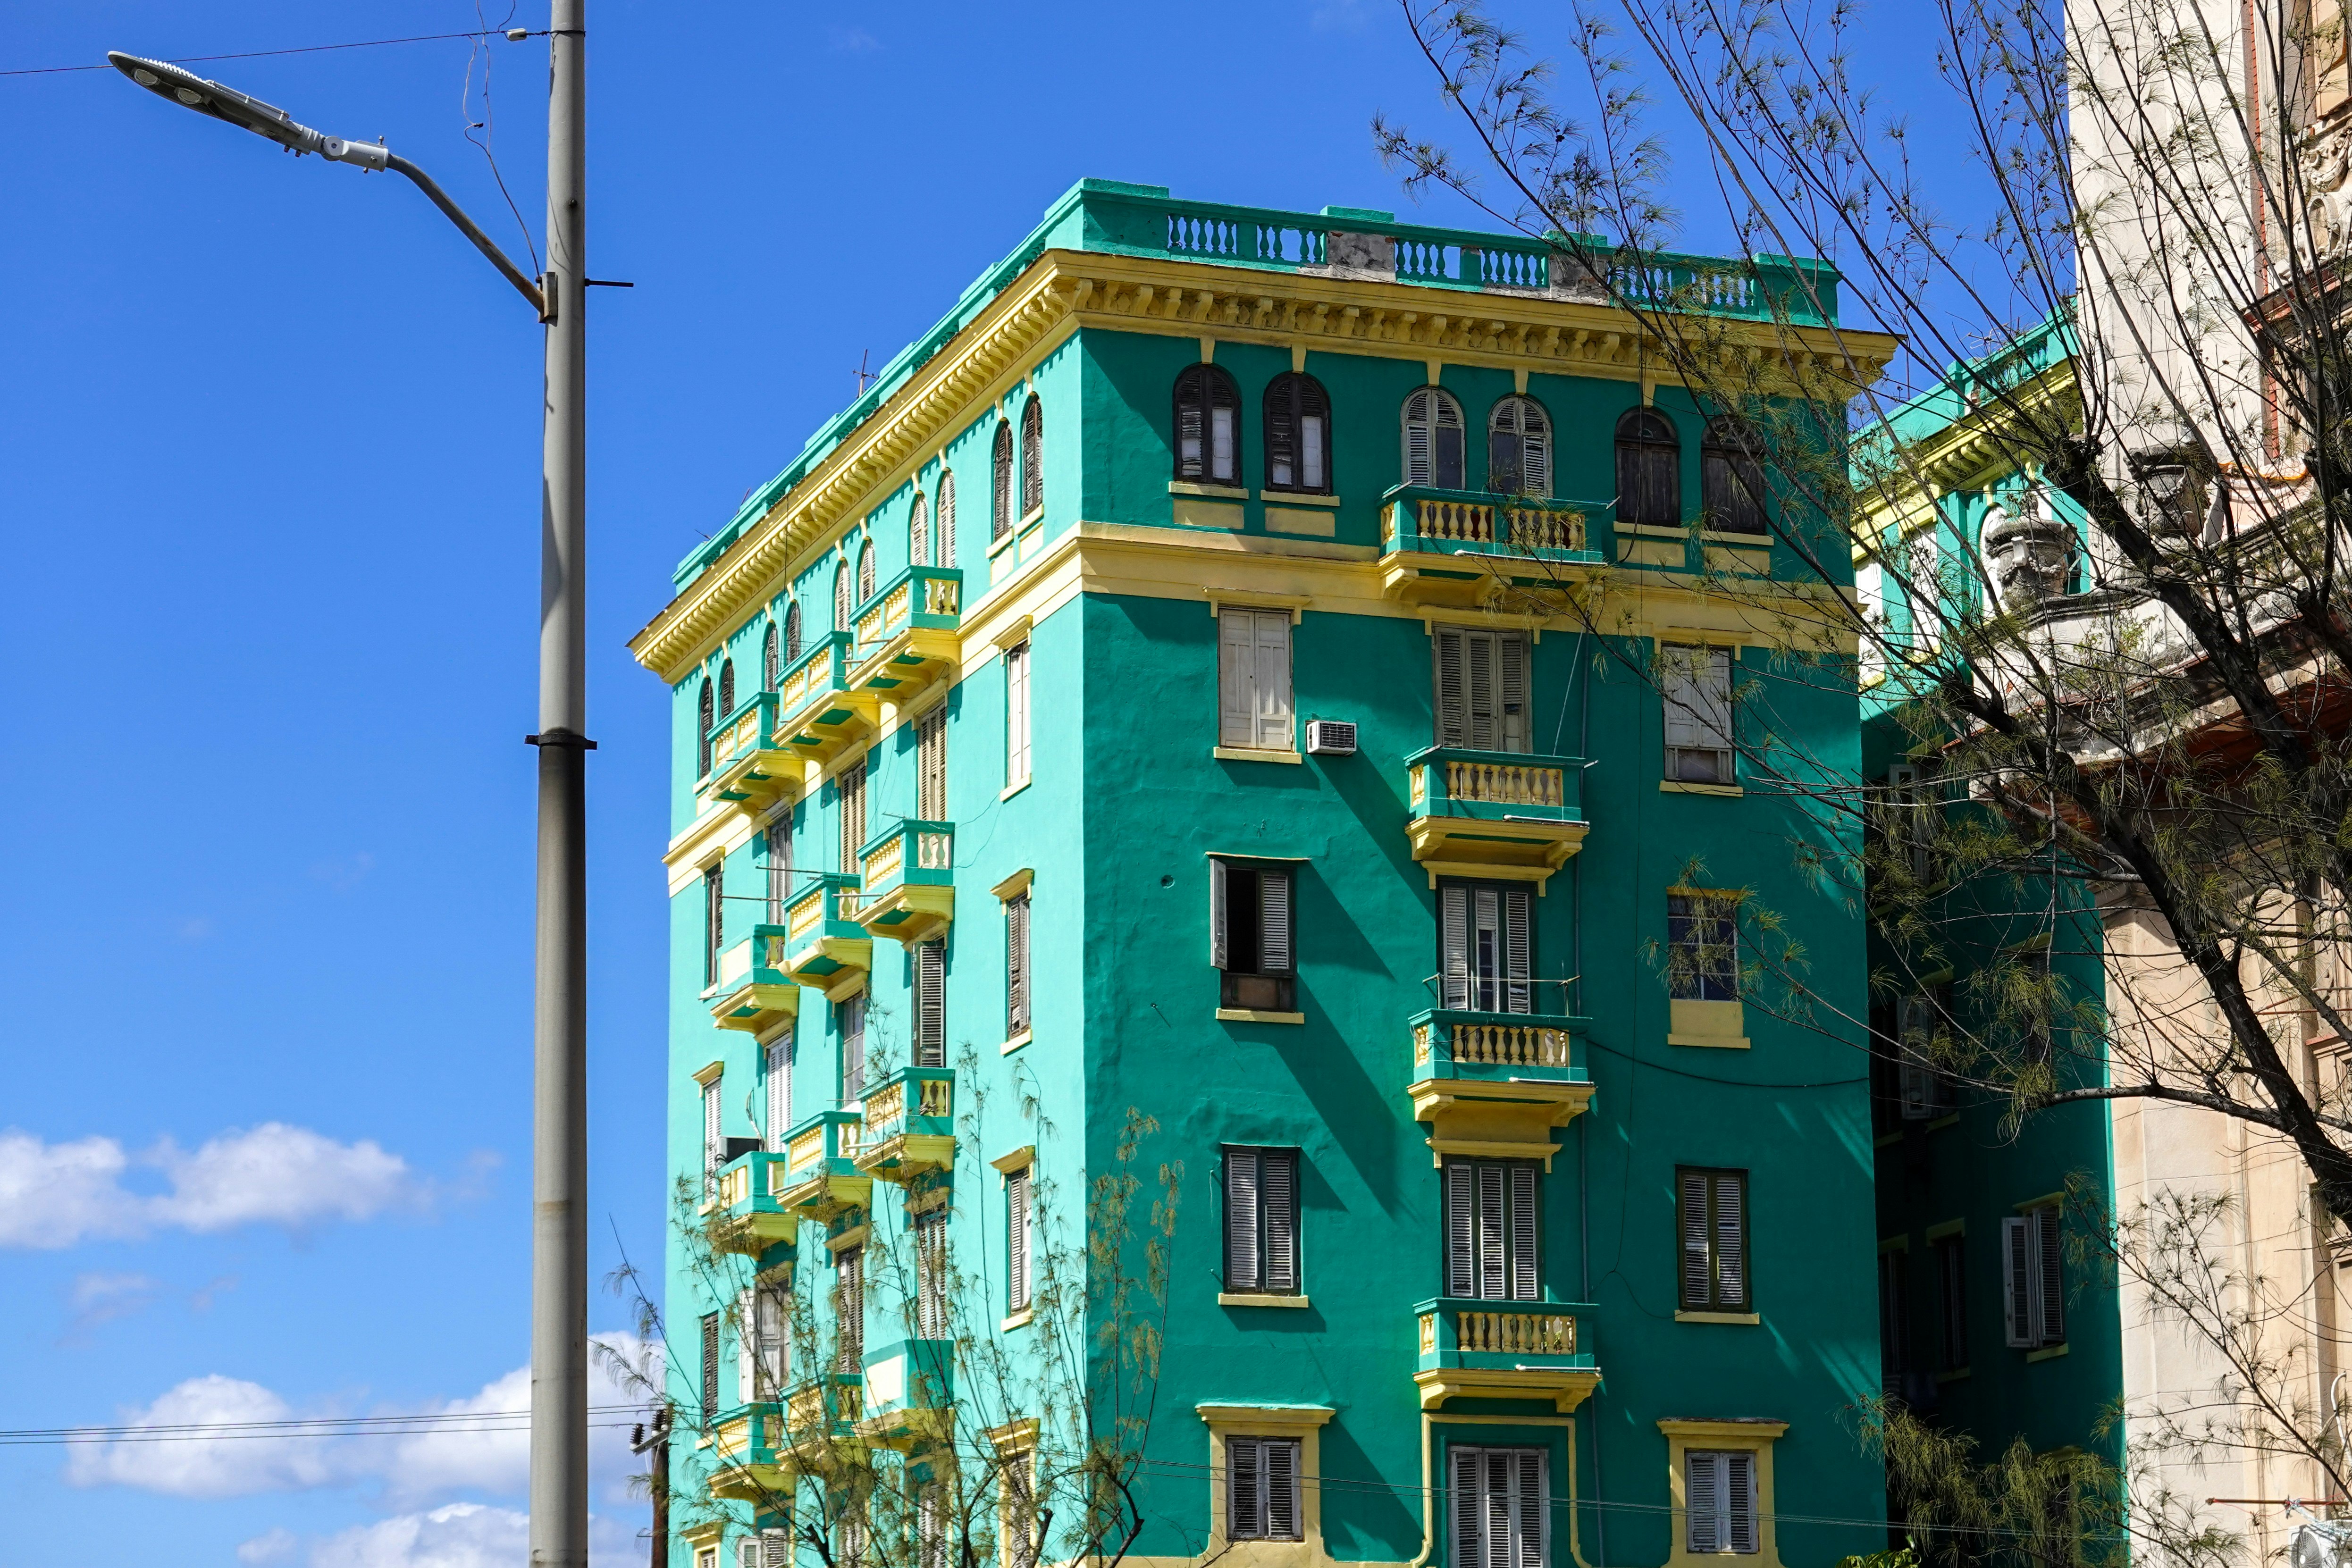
x,y
268,449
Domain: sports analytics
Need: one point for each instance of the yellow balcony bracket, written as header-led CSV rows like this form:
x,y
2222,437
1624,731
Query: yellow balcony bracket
x,y
1495,1119
1566,1387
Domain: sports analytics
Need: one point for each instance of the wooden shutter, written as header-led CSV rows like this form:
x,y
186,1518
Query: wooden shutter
x,y
1679,684
1274,955
1033,456
1192,413
1278,1203
1505,451
1416,438
793,632
1493,1220
1016,963
771,665
1016,1250
2050,1282
704,718
1478,691
747,1346
1453,710
1245,1490
713,1146
932,1274
1273,730
947,521
779,864
1518,943
1282,434
1236,678
776,1549
919,533
1461,1229
1445,443
1703,1499
931,765
1731,1241
2017,1270
1531,1508
780,1093
727,689
850,1016
930,1528
1454,946
1511,720
1697,1265
772,1321
1524,1270
849,792
1279,1479
1225,450
710,1365
714,920
1468,1506
866,571
1714,699
849,1285
1739,1500
1244,1209
1219,941
1001,522
841,597
931,1004
1536,465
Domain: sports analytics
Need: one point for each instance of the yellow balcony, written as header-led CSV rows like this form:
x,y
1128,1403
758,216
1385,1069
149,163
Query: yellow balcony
x,y
907,633
824,947
819,715
820,1178
750,1454
908,881
826,1406
1457,547
754,991
747,1214
1496,1085
908,1394
750,765
1503,1350
909,1124
1508,815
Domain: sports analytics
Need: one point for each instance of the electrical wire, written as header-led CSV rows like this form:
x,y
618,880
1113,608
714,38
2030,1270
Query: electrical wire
x,y
487,124
258,54
418,1424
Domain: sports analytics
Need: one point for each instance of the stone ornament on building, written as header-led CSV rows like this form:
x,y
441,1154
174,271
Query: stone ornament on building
x,y
2325,156
2029,556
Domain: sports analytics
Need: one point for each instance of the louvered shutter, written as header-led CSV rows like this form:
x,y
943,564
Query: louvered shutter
x,y
714,911
1273,923
1278,1203
919,533
773,1324
1223,468
1683,703
2017,1269
1452,714
1739,1500
1518,943
1445,443
1698,1276
2050,1292
1505,451
1454,946
841,597
1280,1480
1523,1286
1016,963
1016,1211
710,1365
1245,1489
776,1549
792,631
1273,725
747,1553
1282,434
1032,456
727,689
1001,523
1493,1282
850,1016
780,1093
866,571
1703,1499
1416,439
1511,728
747,1347
1487,949
1244,1200
1714,699
931,1279
931,765
931,1004
1219,942
714,1146
1469,1508
1531,1510
704,718
771,663
947,521
1461,1229
1312,439
1191,408
849,1281
1236,678
1731,1241
1479,691
1535,474
780,864
930,1529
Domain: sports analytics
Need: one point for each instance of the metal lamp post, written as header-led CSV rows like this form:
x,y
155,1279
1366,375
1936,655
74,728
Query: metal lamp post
x,y
559,1319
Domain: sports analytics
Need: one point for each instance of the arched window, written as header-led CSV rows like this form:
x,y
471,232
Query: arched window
x,y
1519,448
866,571
1001,523
1208,426
793,632
1432,439
1033,456
1649,470
727,689
919,533
1731,479
947,517
704,720
1298,434
771,665
841,597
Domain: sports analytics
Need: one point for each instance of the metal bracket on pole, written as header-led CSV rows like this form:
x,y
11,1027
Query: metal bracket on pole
x,y
559,737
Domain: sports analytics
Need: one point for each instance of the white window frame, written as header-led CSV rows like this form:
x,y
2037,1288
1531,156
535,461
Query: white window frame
x,y
1490,1529
1016,715
1020,1239
1697,695
1257,710
1494,1229
1262,1221
1719,1508
778,1054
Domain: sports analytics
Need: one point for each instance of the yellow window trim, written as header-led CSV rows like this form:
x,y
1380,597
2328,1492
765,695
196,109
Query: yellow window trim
x,y
1026,1155
1682,1317
1016,884
1253,754
1249,1298
1249,599
708,1075
1937,1231
1013,632
1249,1015
1894,1243
1676,786
2047,1200
1217,492
1297,498
1754,1435
1304,1422
1015,1043
855,1235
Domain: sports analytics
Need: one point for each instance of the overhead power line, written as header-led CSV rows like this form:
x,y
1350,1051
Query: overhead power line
x,y
257,53
303,1426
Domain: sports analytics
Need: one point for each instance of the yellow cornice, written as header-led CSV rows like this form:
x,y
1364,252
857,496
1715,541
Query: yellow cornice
x,y
1063,290
1967,454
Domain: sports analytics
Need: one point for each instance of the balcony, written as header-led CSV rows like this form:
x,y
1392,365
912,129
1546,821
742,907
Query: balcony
x,y
748,1218
909,1387
819,715
750,765
824,947
909,1124
1504,815
907,633
754,991
1450,546
1495,1084
824,1406
1503,1350
820,1178
750,1457
908,881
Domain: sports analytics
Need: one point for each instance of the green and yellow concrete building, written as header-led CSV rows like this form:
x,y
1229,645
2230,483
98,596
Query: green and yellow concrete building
x,y
1209,675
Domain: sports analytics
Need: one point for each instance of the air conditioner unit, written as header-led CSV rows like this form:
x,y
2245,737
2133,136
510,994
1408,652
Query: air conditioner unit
x,y
2321,1544
1330,737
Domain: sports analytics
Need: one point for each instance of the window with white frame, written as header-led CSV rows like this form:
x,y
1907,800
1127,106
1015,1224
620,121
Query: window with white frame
x,y
1481,688
1493,1232
932,1526
1001,519
1017,1227
714,920
1251,935
779,1063
710,1323
1016,965
1016,715
1253,707
1519,448
849,790
1718,1501
1033,456
1695,684
930,1003
919,532
1262,1489
2032,1277
849,1309
945,526
778,846
1433,439
1500,1505
1486,946
1711,1225
1703,946
764,1338
1926,1093
714,1144
1262,1221
1208,426
931,1273
849,1021
931,765
1019,1520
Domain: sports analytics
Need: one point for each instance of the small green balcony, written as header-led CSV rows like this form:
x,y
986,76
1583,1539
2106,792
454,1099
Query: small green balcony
x,y
824,1406
1453,547
820,1178
1495,1084
747,1215
908,881
750,765
1503,1350
909,1124
907,633
1509,815
750,1453
909,1390
825,948
819,715
755,991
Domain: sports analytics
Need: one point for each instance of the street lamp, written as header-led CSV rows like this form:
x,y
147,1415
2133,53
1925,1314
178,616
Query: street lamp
x,y
559,1264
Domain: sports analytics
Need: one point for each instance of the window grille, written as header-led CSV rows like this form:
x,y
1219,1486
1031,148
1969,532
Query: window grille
x,y
1703,946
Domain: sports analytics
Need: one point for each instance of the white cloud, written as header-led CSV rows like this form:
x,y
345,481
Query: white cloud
x,y
278,1546
229,1466
57,1195
454,1459
100,1298
462,1535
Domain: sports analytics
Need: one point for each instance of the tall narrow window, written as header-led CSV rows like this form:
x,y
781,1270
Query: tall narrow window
x,y
1262,1221
1016,965
1208,426
778,843
931,765
1711,1216
930,1003
792,632
866,571
779,1056
1254,709
2033,1284
1501,1507
1952,1291
1649,470
1695,685
1894,1317
1251,936
714,920
727,689
1485,947
1298,434
705,716
919,532
849,1309
1927,1093
771,664
714,1142
849,1019
849,1540
1493,1246
766,1315
930,1526
841,602
710,1365
947,518
1033,456
1262,1489
1703,946
1731,479
1016,715
931,1273
1519,448
1914,816
1018,1512
1482,689
1017,1239
850,788
1000,517
1719,1499
1433,439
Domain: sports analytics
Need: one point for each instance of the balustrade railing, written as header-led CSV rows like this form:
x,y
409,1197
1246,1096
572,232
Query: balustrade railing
x,y
1420,517
1445,1039
1515,1333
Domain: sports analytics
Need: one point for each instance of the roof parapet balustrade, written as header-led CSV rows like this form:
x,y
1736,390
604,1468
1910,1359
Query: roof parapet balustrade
x,y
824,947
909,1124
907,633
908,881
819,715
1451,547
1511,815
827,1406
750,1453
822,1178
748,1216
750,765
754,991
909,1390
1503,1350
1495,1084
